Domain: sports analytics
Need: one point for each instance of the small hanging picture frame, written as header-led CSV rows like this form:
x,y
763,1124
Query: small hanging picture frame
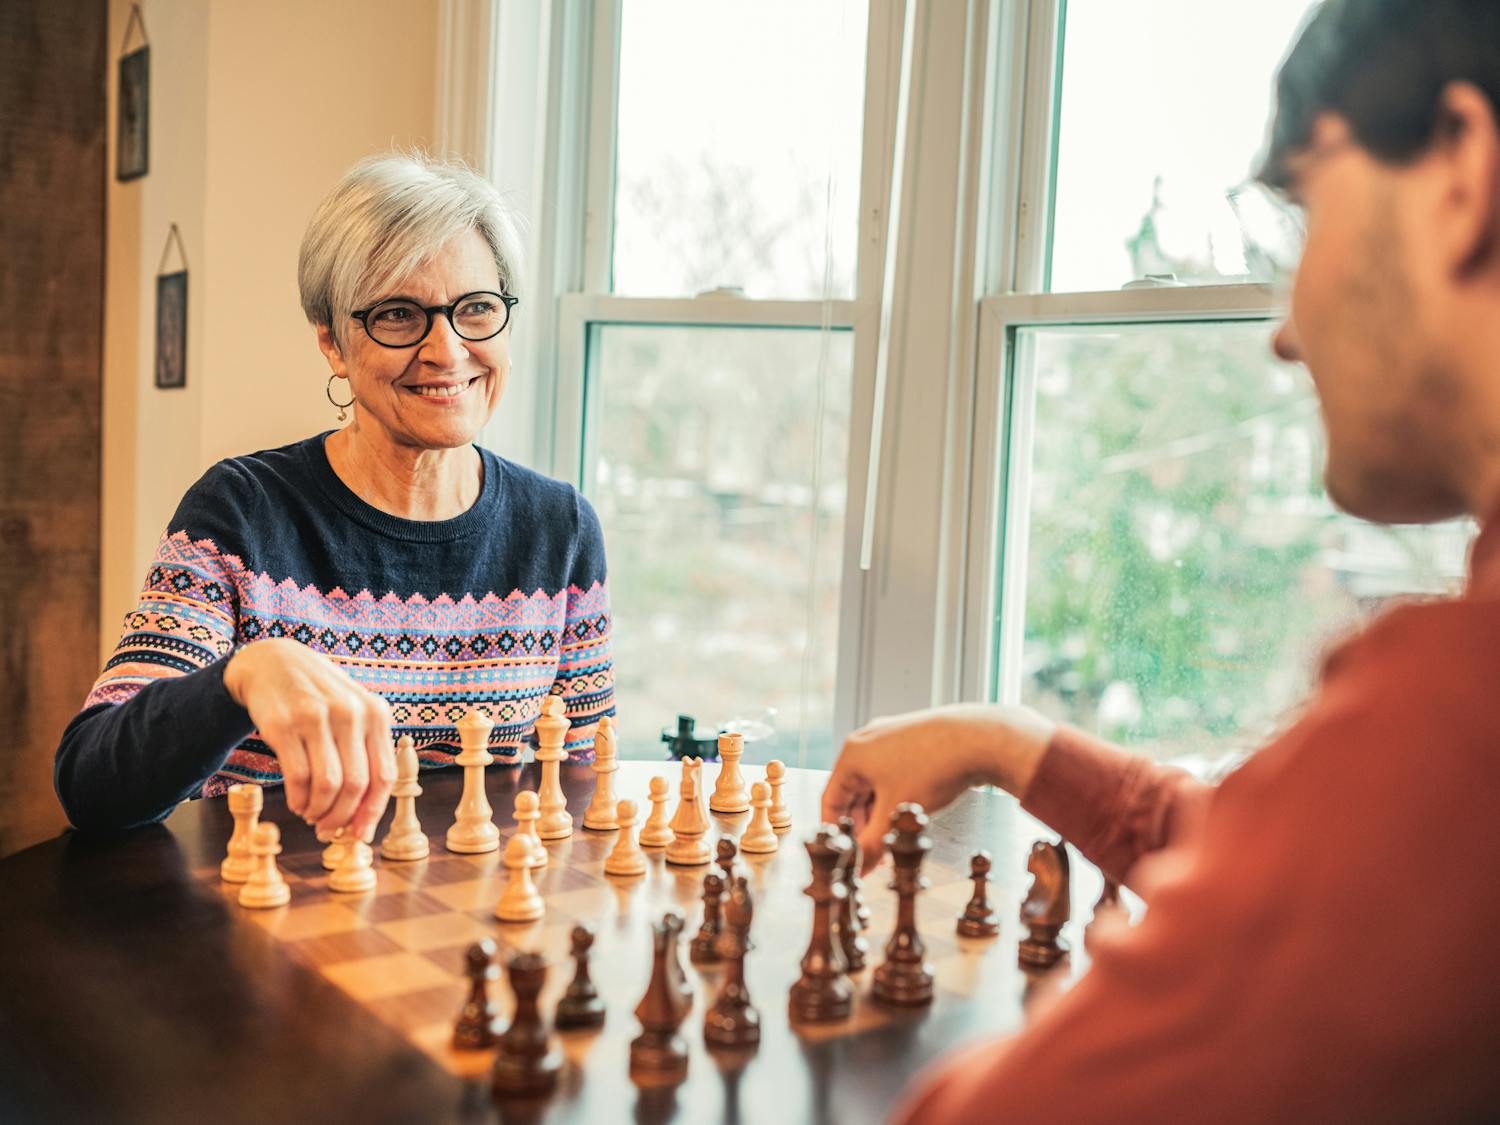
x,y
133,137
171,317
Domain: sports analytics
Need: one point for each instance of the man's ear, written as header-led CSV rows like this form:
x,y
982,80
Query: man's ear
x,y
1468,148
331,352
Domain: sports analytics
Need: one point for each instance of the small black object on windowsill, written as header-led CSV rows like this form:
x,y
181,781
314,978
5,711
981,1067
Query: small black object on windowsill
x,y
684,743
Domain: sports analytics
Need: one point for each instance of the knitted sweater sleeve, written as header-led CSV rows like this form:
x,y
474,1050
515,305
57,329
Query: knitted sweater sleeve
x,y
159,720
585,671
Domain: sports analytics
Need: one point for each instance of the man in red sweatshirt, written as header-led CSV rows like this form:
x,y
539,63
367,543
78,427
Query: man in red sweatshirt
x,y
1322,941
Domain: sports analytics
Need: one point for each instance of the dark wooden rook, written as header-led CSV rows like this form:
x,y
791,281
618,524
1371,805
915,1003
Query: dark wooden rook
x,y
479,1022
659,1054
703,949
1047,906
979,919
905,978
581,1005
732,1021
823,993
528,1060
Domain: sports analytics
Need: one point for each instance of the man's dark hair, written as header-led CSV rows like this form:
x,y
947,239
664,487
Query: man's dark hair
x,y
1382,66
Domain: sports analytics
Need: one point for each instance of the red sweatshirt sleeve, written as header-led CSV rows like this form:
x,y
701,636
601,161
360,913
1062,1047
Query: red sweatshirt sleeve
x,y
1113,806
1321,947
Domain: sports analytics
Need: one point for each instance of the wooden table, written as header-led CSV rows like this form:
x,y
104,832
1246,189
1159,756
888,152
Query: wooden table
x,y
136,989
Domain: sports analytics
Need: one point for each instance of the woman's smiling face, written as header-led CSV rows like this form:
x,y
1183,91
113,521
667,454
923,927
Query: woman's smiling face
x,y
438,393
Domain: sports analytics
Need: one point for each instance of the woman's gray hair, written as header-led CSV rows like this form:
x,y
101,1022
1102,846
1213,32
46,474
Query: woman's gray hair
x,y
387,216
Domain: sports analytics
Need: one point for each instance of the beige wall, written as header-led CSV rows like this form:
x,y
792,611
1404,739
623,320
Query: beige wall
x,y
256,108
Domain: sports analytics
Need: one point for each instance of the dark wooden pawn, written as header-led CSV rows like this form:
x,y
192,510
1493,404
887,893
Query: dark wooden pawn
x,y
979,919
852,941
905,977
1047,906
732,1021
581,1005
1108,906
725,852
658,1053
823,993
479,1022
703,949
528,1060
853,880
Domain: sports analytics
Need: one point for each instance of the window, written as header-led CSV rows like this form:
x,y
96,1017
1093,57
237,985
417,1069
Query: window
x,y
1148,495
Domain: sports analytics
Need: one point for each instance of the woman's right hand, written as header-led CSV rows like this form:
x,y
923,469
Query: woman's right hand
x,y
331,736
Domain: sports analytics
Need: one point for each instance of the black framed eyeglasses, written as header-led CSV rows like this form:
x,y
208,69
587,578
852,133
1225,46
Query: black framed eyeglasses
x,y
402,323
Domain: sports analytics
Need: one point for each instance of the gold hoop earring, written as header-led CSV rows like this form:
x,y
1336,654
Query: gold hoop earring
x,y
343,406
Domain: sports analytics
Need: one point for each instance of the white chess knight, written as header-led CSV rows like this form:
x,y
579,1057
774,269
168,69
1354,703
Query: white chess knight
x,y
730,795
520,902
245,804
265,888
474,828
626,858
601,813
405,841
551,731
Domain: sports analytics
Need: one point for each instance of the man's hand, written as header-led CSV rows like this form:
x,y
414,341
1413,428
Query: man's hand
x,y
332,736
931,757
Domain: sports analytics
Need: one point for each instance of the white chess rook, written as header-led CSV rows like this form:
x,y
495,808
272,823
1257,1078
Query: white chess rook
x,y
474,828
601,813
730,795
245,803
405,841
551,732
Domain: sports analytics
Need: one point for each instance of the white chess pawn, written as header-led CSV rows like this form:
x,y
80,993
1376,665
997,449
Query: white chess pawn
x,y
781,816
526,818
520,901
245,803
405,840
474,828
656,832
265,887
759,835
600,814
355,875
551,732
688,849
729,794
626,858
333,854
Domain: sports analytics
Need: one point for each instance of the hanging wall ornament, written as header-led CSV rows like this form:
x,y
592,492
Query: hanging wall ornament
x,y
171,317
132,148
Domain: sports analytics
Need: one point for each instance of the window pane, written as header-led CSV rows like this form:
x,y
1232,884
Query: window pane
x,y
722,501
737,159
1165,105
1184,570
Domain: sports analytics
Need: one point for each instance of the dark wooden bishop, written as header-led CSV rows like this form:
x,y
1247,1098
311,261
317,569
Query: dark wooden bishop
x,y
854,915
703,949
528,1060
823,993
732,1021
479,1021
581,1005
979,919
905,978
659,1054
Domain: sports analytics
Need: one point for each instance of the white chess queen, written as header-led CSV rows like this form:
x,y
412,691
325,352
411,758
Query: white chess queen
x,y
308,603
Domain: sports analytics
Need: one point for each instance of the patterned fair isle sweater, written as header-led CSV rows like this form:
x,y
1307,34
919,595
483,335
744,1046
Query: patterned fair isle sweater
x,y
494,609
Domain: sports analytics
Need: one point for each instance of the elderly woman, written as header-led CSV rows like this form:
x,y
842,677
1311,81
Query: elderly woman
x,y
309,604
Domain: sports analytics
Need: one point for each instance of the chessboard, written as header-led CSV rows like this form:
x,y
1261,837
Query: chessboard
x,y
398,951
